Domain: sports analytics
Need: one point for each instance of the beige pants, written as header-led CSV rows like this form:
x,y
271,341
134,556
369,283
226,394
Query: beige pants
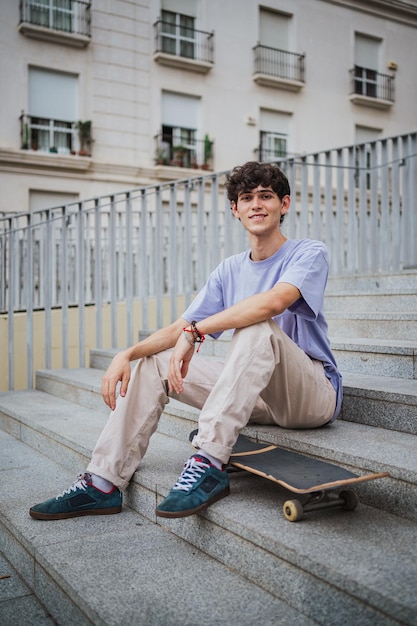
x,y
266,379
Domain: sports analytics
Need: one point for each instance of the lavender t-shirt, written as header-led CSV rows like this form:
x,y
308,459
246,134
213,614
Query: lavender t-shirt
x,y
300,262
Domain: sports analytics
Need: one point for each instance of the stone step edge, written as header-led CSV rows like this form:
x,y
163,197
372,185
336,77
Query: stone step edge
x,y
362,384
305,442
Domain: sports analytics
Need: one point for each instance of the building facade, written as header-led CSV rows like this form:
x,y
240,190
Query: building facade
x,y
105,95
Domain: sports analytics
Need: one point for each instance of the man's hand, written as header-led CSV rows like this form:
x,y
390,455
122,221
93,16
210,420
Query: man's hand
x,y
178,364
118,371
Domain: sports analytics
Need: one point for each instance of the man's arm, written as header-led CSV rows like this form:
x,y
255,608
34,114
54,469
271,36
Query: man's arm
x,y
119,368
258,308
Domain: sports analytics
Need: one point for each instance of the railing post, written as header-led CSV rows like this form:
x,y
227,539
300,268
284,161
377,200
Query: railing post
x,y
158,255
29,303
128,265
47,277
81,285
65,220
113,272
98,273
143,260
12,256
172,251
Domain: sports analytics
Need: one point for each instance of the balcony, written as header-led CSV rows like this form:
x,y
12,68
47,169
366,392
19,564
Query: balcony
x,y
372,89
59,21
183,47
278,68
196,153
55,136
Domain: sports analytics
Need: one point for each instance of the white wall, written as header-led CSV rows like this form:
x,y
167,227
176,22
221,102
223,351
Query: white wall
x,y
120,89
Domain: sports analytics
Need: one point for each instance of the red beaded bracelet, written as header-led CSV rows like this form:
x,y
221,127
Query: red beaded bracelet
x,y
197,336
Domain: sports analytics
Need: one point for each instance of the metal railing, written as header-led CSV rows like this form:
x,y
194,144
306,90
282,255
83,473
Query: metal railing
x,y
279,63
182,41
70,16
370,83
197,153
153,244
47,135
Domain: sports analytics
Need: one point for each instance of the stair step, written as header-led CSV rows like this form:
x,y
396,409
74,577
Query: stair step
x,y
18,603
380,357
405,282
362,302
330,555
146,575
67,433
378,401
378,325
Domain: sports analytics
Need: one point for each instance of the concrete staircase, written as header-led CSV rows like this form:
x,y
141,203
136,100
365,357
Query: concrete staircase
x,y
240,562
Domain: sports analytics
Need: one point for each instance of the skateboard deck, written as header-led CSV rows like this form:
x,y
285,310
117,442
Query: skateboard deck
x,y
300,474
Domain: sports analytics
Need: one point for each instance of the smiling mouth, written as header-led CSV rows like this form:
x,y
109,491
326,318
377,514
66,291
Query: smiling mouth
x,y
257,216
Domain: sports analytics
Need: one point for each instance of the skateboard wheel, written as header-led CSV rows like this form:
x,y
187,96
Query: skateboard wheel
x,y
293,510
350,500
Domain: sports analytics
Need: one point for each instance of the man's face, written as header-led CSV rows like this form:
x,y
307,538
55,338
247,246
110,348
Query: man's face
x,y
260,210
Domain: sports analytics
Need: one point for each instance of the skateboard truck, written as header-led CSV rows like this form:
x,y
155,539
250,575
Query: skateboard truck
x,y
294,510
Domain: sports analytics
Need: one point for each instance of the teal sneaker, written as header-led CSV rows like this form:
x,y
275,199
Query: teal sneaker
x,y
199,485
82,498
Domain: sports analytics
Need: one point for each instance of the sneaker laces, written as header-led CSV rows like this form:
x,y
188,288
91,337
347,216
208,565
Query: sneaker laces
x,y
193,469
82,482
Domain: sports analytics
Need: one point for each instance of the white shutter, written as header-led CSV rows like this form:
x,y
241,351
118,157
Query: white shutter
x,y
180,111
52,95
273,29
367,52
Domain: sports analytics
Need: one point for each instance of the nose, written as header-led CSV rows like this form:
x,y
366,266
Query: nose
x,y
256,202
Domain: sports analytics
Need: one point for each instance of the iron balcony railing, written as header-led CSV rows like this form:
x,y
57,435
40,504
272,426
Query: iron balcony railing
x,y
279,63
370,83
185,42
69,16
56,136
197,153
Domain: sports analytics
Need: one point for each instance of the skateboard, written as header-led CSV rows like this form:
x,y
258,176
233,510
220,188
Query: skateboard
x,y
300,474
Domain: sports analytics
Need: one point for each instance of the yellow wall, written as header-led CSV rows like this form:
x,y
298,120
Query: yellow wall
x,y
20,337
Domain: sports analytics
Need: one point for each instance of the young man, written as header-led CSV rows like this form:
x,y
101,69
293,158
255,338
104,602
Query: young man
x,y
279,369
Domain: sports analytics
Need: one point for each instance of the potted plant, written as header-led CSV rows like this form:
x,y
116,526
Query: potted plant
x,y
25,145
208,146
178,154
84,135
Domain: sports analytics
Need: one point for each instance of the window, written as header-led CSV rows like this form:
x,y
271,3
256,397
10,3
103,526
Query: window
x,y
52,111
178,34
177,145
273,140
366,65
57,14
273,146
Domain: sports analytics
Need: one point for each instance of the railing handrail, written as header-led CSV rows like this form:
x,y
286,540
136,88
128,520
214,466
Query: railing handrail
x,y
300,55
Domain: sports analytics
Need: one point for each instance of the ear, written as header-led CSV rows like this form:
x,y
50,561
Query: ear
x,y
234,209
285,204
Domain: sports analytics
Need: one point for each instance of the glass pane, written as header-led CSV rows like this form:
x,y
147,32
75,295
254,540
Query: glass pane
x,y
39,12
187,49
168,45
186,26
169,22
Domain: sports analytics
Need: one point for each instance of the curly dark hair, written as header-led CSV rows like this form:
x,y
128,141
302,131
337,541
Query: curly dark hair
x,y
248,176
